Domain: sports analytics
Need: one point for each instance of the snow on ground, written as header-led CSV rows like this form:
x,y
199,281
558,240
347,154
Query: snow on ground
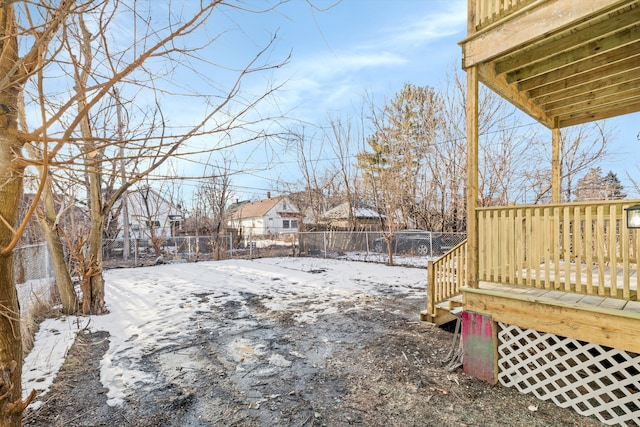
x,y
151,307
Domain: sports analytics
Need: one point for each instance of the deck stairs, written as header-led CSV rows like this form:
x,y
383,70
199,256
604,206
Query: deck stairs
x,y
445,310
445,277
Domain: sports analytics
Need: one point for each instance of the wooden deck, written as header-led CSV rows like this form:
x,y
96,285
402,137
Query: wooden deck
x,y
564,63
605,296
565,297
597,319
581,280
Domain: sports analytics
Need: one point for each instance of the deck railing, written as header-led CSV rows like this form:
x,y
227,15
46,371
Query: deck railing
x,y
583,248
446,275
575,247
486,12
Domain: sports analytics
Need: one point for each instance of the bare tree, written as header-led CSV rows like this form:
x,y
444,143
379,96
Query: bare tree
x,y
513,157
581,148
504,141
311,199
341,137
15,71
442,205
51,214
215,194
325,163
155,142
634,182
48,47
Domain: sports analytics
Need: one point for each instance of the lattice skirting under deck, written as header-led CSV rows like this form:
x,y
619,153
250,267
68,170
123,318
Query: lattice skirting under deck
x,y
591,379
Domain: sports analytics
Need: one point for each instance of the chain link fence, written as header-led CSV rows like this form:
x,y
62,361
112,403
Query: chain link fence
x,y
144,251
34,275
414,248
35,278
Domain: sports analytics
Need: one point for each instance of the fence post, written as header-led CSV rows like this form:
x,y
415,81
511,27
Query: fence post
x,y
431,291
230,245
366,237
431,243
324,242
47,262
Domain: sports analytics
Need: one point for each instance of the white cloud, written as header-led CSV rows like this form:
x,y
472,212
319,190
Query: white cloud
x,y
426,29
330,78
375,56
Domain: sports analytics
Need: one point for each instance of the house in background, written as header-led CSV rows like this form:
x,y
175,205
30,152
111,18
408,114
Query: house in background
x,y
265,217
150,215
360,217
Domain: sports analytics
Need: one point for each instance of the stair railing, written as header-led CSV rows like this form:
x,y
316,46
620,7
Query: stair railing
x,y
445,277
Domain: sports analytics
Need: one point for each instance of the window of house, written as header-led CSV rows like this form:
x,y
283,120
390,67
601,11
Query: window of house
x,y
294,223
285,223
175,222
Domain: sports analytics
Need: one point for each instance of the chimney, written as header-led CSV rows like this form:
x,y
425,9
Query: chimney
x,y
268,194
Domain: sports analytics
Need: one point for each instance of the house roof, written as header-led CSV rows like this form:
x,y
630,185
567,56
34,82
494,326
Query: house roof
x,y
342,211
256,209
150,194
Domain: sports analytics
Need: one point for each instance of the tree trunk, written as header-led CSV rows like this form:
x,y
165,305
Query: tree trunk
x,y
64,284
10,343
93,297
49,227
11,174
10,336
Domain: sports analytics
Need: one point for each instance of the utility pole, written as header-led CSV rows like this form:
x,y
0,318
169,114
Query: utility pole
x,y
123,176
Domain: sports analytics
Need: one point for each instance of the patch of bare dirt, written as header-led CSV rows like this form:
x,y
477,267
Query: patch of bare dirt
x,y
246,365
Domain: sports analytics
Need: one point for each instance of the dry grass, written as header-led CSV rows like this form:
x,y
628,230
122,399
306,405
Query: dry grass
x,y
39,309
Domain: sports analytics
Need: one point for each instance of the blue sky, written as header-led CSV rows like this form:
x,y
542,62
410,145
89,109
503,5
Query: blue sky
x,y
359,47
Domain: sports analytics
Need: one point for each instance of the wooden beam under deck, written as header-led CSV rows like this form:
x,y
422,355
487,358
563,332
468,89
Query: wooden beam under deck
x,y
615,43
599,67
605,112
612,96
582,35
510,93
539,21
600,320
575,89
563,62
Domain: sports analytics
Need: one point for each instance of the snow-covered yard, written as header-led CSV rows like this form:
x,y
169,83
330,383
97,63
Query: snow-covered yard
x,y
153,307
267,342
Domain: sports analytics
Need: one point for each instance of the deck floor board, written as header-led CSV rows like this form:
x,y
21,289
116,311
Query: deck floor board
x,y
602,301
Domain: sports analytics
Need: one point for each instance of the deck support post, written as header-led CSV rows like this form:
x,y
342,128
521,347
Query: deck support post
x,y
472,177
555,165
480,346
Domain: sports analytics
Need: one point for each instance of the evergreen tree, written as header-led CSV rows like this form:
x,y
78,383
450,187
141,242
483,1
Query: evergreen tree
x,y
596,186
613,187
405,130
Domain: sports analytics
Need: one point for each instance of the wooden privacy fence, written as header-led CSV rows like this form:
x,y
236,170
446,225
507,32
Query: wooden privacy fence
x,y
575,247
